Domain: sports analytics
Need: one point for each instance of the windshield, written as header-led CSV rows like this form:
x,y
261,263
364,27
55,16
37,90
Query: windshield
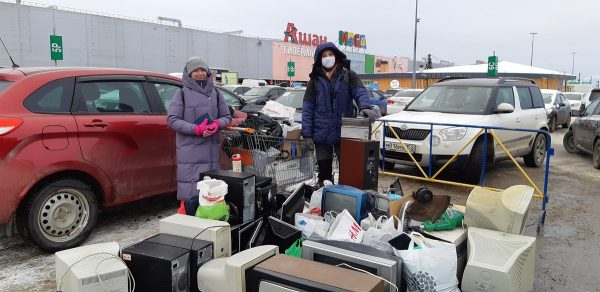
x,y
407,93
547,98
4,85
257,91
292,98
457,99
573,96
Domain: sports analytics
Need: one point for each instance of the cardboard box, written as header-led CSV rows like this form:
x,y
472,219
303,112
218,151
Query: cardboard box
x,y
292,137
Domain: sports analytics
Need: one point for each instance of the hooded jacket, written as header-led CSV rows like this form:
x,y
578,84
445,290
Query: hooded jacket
x,y
195,154
327,101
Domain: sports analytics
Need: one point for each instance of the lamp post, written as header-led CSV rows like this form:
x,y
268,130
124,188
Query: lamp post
x,y
532,39
573,67
414,75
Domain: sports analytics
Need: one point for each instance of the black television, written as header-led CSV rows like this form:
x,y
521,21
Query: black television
x,y
293,204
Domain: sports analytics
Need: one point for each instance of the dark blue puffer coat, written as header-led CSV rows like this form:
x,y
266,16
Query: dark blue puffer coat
x,y
327,101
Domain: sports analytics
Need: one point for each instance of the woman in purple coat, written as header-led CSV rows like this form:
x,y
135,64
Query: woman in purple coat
x,y
198,145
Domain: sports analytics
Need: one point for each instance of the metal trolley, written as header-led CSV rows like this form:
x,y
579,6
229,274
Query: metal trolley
x,y
287,161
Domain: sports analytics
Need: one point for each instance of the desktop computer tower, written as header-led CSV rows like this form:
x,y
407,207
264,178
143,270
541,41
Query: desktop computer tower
x,y
359,162
201,252
241,188
157,267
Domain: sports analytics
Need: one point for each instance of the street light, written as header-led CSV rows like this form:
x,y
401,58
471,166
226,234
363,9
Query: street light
x,y
573,67
414,75
532,38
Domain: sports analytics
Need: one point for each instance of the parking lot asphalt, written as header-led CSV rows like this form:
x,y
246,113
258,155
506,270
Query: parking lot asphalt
x,y
567,247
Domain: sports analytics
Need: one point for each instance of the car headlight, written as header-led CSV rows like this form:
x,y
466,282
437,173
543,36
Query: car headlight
x,y
453,134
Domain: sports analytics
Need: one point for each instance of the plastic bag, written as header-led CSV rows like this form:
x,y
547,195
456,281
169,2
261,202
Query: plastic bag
x,y
211,196
370,221
313,227
277,110
345,228
314,206
216,211
432,267
379,237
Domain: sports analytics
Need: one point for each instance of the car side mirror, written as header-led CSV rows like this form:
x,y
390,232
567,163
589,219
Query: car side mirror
x,y
562,104
505,108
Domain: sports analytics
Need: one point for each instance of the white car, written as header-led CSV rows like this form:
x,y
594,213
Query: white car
x,y
574,99
501,102
398,101
587,98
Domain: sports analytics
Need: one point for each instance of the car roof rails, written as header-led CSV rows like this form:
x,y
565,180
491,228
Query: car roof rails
x,y
450,78
514,79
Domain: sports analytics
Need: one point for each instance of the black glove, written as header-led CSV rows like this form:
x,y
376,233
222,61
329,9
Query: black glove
x,y
310,144
369,114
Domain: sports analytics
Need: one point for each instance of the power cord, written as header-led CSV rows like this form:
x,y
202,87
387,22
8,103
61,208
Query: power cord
x,y
130,279
194,239
360,270
60,282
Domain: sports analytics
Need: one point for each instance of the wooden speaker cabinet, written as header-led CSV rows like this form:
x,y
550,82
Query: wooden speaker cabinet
x,y
359,162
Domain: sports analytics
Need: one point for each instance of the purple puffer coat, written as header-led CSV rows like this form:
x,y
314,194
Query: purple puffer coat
x,y
196,154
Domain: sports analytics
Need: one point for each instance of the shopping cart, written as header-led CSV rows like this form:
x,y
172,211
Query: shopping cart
x,y
288,161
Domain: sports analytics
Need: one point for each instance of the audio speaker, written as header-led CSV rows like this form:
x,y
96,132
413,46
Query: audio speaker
x,y
359,161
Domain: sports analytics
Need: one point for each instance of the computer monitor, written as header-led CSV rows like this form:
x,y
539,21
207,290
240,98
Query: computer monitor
x,y
217,232
339,197
80,267
293,204
229,274
504,211
386,266
279,233
498,261
283,273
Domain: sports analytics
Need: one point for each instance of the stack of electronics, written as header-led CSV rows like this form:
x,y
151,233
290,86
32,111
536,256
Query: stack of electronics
x,y
499,257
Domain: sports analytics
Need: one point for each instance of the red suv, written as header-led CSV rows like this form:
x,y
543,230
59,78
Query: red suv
x,y
73,140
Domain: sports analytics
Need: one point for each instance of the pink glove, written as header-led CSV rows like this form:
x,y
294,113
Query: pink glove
x,y
212,129
201,129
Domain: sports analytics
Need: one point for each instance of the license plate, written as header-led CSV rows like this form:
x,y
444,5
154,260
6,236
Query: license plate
x,y
397,147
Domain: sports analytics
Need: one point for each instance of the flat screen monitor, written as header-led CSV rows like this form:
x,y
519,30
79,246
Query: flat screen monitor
x,y
498,261
293,204
356,255
338,197
504,211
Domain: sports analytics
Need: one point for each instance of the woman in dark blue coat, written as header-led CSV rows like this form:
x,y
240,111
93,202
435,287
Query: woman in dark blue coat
x,y
329,94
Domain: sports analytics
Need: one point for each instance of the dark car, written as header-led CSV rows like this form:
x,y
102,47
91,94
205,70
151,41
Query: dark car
x,y
260,95
584,133
237,89
558,109
377,98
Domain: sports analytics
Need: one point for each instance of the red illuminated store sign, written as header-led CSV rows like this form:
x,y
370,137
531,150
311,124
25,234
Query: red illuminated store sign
x,y
292,35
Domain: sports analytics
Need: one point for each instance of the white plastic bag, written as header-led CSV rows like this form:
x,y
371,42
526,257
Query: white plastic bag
x,y
430,268
211,191
314,206
379,237
345,228
370,221
274,109
313,227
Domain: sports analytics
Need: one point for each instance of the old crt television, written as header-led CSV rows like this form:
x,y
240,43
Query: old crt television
x,y
498,261
228,274
192,226
86,265
283,273
384,265
504,211
339,197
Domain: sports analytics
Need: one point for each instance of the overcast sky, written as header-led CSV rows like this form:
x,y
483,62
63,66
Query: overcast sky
x,y
460,31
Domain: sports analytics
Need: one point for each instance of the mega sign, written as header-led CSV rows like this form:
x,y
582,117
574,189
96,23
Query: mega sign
x,y
351,39
292,35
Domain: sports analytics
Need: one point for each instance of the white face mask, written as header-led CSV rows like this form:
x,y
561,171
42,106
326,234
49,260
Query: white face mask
x,y
328,62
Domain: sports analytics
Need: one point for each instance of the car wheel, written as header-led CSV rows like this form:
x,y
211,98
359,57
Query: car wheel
x,y
537,155
59,215
566,125
569,142
596,155
388,166
552,124
472,173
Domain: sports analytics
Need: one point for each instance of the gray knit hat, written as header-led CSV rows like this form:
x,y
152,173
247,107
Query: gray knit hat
x,y
195,63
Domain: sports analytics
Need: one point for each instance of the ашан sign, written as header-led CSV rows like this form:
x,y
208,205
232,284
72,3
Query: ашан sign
x,y
292,35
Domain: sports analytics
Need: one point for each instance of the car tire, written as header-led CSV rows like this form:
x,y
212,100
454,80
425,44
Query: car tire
x,y
537,155
59,215
472,173
569,142
388,166
596,154
568,123
552,124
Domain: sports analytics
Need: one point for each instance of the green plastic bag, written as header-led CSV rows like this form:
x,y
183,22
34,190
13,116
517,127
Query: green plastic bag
x,y
217,211
296,249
